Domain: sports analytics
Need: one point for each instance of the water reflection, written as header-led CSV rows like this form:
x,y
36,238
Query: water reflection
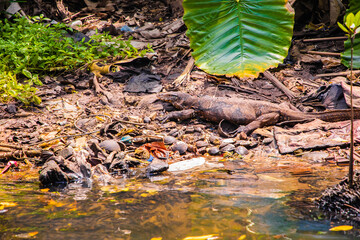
x,y
119,212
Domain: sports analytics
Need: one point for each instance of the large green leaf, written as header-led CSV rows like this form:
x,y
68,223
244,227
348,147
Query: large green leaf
x,y
238,37
346,55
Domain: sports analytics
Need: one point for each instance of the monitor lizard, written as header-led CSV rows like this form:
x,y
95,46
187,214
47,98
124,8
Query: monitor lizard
x,y
247,114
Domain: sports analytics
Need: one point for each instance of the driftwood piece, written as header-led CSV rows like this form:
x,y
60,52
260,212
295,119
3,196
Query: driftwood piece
x,y
279,84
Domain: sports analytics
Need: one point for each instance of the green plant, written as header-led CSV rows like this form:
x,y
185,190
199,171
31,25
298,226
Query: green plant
x,y
350,27
29,49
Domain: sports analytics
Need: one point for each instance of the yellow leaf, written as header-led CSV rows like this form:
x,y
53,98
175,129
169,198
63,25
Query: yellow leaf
x,y
54,203
242,237
7,204
204,237
144,195
31,234
45,190
341,228
156,238
100,119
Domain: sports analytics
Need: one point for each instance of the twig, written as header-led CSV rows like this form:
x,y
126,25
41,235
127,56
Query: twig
x,y
128,122
279,85
185,75
336,74
7,145
72,16
325,39
322,53
358,210
246,90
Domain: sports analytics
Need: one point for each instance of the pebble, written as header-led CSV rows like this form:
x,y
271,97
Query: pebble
x,y
168,140
241,150
147,120
66,152
157,166
243,143
213,151
198,129
214,140
189,130
76,23
225,142
110,145
267,141
202,150
227,148
200,144
180,146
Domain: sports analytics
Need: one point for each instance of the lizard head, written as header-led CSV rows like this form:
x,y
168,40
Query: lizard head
x,y
179,100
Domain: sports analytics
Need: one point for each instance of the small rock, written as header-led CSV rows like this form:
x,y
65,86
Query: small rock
x,y
135,119
227,141
76,23
168,140
180,146
190,130
241,150
66,152
267,141
174,133
202,150
227,148
139,140
253,144
11,108
157,166
213,151
170,125
214,140
51,174
243,143
147,120
200,144
110,145
198,129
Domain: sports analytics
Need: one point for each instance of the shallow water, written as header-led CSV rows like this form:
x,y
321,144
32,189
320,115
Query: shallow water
x,y
242,206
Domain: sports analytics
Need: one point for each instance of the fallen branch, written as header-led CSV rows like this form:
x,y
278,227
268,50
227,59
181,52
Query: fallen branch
x,y
279,85
336,74
322,53
20,154
325,39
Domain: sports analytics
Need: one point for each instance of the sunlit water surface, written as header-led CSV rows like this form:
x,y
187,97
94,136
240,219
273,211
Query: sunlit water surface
x,y
249,204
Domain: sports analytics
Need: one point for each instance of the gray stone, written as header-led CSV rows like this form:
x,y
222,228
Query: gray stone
x,y
180,146
110,145
157,166
241,150
213,151
168,140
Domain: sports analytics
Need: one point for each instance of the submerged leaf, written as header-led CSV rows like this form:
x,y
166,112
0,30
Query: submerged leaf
x,y
238,37
341,228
